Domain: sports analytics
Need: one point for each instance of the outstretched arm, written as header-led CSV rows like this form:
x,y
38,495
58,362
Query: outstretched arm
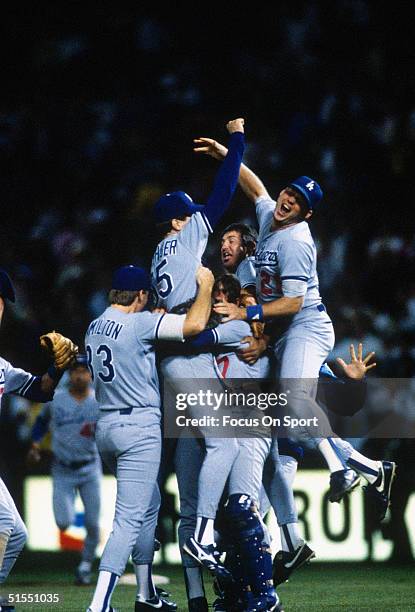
x,y
199,313
249,182
227,176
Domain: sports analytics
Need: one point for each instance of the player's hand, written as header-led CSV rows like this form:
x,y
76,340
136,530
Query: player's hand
x,y
33,456
204,277
231,312
159,311
250,354
211,147
247,299
357,367
236,125
257,328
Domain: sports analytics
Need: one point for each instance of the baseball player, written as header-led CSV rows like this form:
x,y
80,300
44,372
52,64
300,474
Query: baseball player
x,y
71,416
121,357
13,532
185,228
250,557
200,493
282,464
287,289
237,251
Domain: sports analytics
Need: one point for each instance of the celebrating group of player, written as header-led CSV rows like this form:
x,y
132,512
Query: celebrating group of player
x,y
267,321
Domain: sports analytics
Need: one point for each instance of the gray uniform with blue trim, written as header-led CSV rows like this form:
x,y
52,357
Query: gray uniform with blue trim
x,y
122,361
246,272
76,465
286,263
12,380
201,482
176,260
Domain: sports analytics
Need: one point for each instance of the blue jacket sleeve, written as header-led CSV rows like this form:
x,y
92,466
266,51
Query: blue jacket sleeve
x,y
40,428
206,338
226,180
34,391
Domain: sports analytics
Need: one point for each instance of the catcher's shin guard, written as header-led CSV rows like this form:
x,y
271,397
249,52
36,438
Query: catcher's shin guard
x,y
255,557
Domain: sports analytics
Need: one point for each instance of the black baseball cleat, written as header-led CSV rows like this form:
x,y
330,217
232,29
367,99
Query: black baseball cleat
x,y
198,604
286,562
379,494
155,603
341,483
207,557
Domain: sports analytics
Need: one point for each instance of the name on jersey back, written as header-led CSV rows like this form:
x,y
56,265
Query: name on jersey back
x,y
168,247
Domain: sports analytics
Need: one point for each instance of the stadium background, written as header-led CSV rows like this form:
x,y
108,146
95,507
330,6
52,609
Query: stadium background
x,y
98,110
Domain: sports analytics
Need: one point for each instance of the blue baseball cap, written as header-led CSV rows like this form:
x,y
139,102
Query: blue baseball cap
x,y
175,205
6,286
309,189
130,278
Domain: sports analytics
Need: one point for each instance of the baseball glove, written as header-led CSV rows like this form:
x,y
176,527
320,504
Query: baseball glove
x,y
62,349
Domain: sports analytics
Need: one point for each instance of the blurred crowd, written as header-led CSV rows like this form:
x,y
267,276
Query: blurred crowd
x,y
100,121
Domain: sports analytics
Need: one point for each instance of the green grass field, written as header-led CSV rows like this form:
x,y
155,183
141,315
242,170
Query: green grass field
x,y
317,587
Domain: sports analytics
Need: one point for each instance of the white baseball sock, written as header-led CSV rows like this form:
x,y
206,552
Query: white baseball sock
x,y
204,532
290,537
368,468
145,584
107,581
332,459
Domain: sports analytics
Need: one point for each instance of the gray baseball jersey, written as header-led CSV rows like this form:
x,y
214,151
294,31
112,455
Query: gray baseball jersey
x,y
285,260
228,363
121,356
205,364
176,260
14,380
72,424
246,272
121,359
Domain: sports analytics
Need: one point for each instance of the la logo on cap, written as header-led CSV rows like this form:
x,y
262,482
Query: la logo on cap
x,y
310,185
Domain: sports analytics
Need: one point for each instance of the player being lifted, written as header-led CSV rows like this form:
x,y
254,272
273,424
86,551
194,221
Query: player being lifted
x,y
288,292
237,245
185,228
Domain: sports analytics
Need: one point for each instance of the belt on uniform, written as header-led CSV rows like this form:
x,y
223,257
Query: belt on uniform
x,y
74,465
126,410
321,308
